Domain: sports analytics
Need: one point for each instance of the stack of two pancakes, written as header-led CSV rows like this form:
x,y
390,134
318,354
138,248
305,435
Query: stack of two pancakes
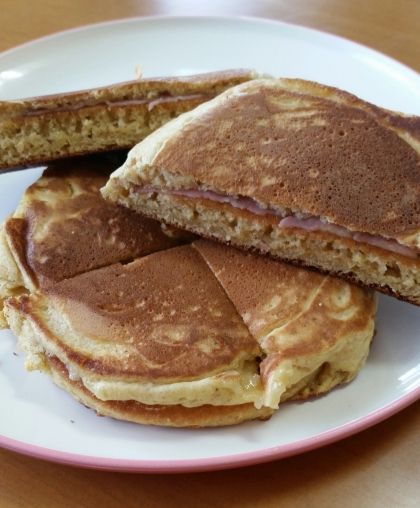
x,y
157,327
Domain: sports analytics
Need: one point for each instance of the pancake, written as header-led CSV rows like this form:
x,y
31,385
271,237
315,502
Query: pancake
x,y
63,227
165,416
223,338
294,170
314,330
41,129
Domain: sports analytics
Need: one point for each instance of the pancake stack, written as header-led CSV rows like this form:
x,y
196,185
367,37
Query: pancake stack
x,y
150,324
223,338
141,328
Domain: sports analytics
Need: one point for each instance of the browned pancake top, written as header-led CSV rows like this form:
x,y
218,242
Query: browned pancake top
x,y
291,149
69,228
266,293
295,312
167,312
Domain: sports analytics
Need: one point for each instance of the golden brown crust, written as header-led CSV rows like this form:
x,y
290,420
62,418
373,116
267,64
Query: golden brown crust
x,y
271,295
15,230
294,149
296,315
264,293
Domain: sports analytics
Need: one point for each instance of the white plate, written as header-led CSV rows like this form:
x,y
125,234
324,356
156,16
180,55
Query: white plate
x,y
38,418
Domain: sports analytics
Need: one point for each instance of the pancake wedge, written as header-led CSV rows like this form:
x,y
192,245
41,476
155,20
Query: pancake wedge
x,y
63,227
44,128
291,169
197,335
314,330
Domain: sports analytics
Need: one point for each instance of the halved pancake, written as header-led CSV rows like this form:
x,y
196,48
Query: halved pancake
x,y
291,169
63,227
40,129
172,337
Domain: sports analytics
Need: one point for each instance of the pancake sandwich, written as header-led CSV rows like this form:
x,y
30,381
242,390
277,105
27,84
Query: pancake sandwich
x,y
44,128
196,335
63,227
294,170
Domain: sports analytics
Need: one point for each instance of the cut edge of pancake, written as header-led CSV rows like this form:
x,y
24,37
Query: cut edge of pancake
x,y
162,415
11,280
369,266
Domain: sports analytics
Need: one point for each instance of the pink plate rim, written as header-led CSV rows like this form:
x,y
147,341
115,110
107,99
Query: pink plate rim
x,y
213,463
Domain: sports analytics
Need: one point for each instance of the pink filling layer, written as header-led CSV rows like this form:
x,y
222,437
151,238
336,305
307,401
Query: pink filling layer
x,y
240,202
161,100
315,224
308,224
151,103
